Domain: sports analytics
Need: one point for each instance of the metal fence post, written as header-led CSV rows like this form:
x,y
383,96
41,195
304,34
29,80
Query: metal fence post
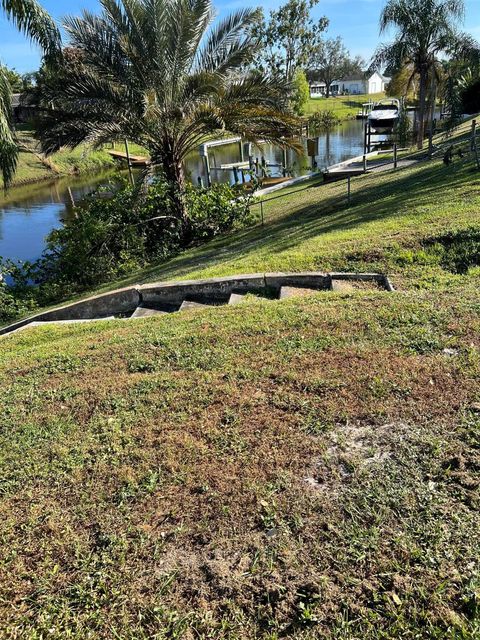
x,y
395,163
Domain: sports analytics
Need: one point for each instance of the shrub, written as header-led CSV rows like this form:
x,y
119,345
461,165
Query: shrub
x,y
403,128
216,210
301,92
322,121
119,230
106,239
14,301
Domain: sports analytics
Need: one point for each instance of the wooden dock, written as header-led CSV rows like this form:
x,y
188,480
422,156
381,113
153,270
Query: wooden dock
x,y
135,161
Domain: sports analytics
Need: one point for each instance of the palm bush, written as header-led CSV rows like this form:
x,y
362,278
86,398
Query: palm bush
x,y
162,74
35,22
424,30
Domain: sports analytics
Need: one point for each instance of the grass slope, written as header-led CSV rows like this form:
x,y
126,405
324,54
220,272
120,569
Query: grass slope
x,y
304,469
389,217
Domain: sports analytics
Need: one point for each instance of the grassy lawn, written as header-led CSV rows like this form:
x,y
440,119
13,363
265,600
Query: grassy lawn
x,y
303,469
344,107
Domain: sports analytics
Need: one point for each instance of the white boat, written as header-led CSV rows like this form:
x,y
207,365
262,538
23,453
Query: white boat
x,y
384,115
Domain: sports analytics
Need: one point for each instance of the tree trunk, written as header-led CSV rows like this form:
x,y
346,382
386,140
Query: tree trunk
x,y
175,175
421,106
327,90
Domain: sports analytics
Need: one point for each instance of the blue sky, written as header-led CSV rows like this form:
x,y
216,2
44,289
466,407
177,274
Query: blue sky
x,y
355,20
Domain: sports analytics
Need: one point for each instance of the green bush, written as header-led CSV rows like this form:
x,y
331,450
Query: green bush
x,y
322,121
216,210
119,230
14,301
301,92
403,129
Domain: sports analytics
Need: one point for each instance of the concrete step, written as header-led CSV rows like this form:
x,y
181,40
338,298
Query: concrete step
x,y
144,311
295,292
237,298
342,285
190,304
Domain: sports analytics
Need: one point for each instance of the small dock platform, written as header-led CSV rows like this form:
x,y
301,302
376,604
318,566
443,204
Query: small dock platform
x,y
135,161
230,166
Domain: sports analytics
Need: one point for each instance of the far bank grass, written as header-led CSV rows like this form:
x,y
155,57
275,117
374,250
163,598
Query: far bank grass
x,y
33,167
344,107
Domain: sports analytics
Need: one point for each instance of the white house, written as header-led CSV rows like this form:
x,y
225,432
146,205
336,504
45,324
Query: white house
x,y
351,85
377,83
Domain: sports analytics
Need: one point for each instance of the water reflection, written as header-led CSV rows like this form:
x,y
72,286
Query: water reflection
x,y
341,143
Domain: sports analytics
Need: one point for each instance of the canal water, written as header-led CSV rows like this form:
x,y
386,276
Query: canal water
x,y
29,213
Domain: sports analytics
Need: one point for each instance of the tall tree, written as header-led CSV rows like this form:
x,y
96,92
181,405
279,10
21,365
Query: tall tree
x,y
289,37
14,80
161,73
300,93
35,22
331,61
424,29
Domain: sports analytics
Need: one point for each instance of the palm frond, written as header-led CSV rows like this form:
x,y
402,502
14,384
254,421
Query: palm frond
x,y
227,46
8,146
35,22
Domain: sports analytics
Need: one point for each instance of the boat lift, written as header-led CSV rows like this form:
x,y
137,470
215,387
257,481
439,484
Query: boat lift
x,y
247,162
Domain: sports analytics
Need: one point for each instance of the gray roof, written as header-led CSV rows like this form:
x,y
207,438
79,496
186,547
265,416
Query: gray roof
x,y
353,79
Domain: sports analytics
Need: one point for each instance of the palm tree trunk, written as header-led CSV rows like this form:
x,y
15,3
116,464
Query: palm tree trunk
x,y
174,173
421,106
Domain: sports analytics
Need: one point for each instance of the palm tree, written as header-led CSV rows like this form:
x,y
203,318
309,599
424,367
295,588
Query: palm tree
x,y
35,22
424,29
160,73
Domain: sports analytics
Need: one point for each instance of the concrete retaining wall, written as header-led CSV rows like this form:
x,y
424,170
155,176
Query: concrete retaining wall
x,y
218,289
125,301
101,306
306,279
